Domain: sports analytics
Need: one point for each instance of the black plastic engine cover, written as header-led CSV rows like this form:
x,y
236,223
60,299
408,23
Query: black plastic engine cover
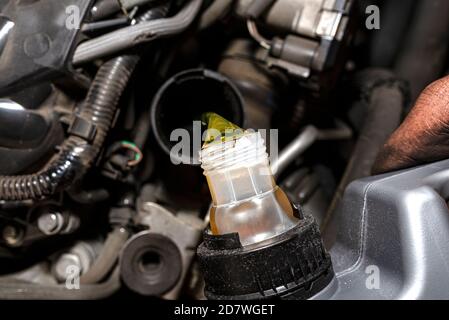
x,y
37,44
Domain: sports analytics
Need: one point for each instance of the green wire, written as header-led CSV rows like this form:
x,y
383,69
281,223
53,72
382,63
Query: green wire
x,y
129,143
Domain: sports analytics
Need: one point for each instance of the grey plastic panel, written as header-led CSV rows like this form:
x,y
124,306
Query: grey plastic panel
x,y
397,224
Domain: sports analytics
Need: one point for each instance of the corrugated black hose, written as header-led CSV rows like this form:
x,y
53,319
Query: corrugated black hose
x,y
76,155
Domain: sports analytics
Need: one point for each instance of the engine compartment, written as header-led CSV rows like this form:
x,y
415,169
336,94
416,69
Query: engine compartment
x,y
101,134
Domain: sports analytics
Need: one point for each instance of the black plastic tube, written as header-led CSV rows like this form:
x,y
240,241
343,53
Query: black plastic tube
x,y
104,8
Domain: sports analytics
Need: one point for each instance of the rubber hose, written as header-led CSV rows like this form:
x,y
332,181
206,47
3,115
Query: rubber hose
x,y
217,10
105,8
21,291
385,97
107,258
131,36
396,19
155,13
77,155
423,54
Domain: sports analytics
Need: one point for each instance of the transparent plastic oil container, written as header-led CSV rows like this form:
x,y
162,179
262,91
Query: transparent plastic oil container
x,y
246,199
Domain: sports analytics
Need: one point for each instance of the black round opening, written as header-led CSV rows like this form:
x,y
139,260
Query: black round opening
x,y
150,262
183,99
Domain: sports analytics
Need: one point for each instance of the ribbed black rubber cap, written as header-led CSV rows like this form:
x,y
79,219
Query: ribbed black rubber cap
x,y
293,266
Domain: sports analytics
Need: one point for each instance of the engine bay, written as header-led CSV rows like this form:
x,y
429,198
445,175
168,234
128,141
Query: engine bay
x,y
112,184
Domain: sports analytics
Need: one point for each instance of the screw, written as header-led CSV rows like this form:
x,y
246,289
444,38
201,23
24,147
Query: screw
x,y
12,235
50,223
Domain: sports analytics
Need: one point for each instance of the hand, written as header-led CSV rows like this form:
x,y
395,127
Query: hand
x,y
424,135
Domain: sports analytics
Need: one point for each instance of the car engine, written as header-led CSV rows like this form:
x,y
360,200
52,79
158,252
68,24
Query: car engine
x,y
112,184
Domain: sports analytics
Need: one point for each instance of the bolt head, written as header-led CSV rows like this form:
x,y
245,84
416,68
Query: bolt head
x,y
50,223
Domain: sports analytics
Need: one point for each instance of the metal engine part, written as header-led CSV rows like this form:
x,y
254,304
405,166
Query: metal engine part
x,y
224,149
309,18
155,262
79,258
316,29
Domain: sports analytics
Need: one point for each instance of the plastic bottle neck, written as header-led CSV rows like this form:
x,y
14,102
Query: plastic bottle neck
x,y
238,169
